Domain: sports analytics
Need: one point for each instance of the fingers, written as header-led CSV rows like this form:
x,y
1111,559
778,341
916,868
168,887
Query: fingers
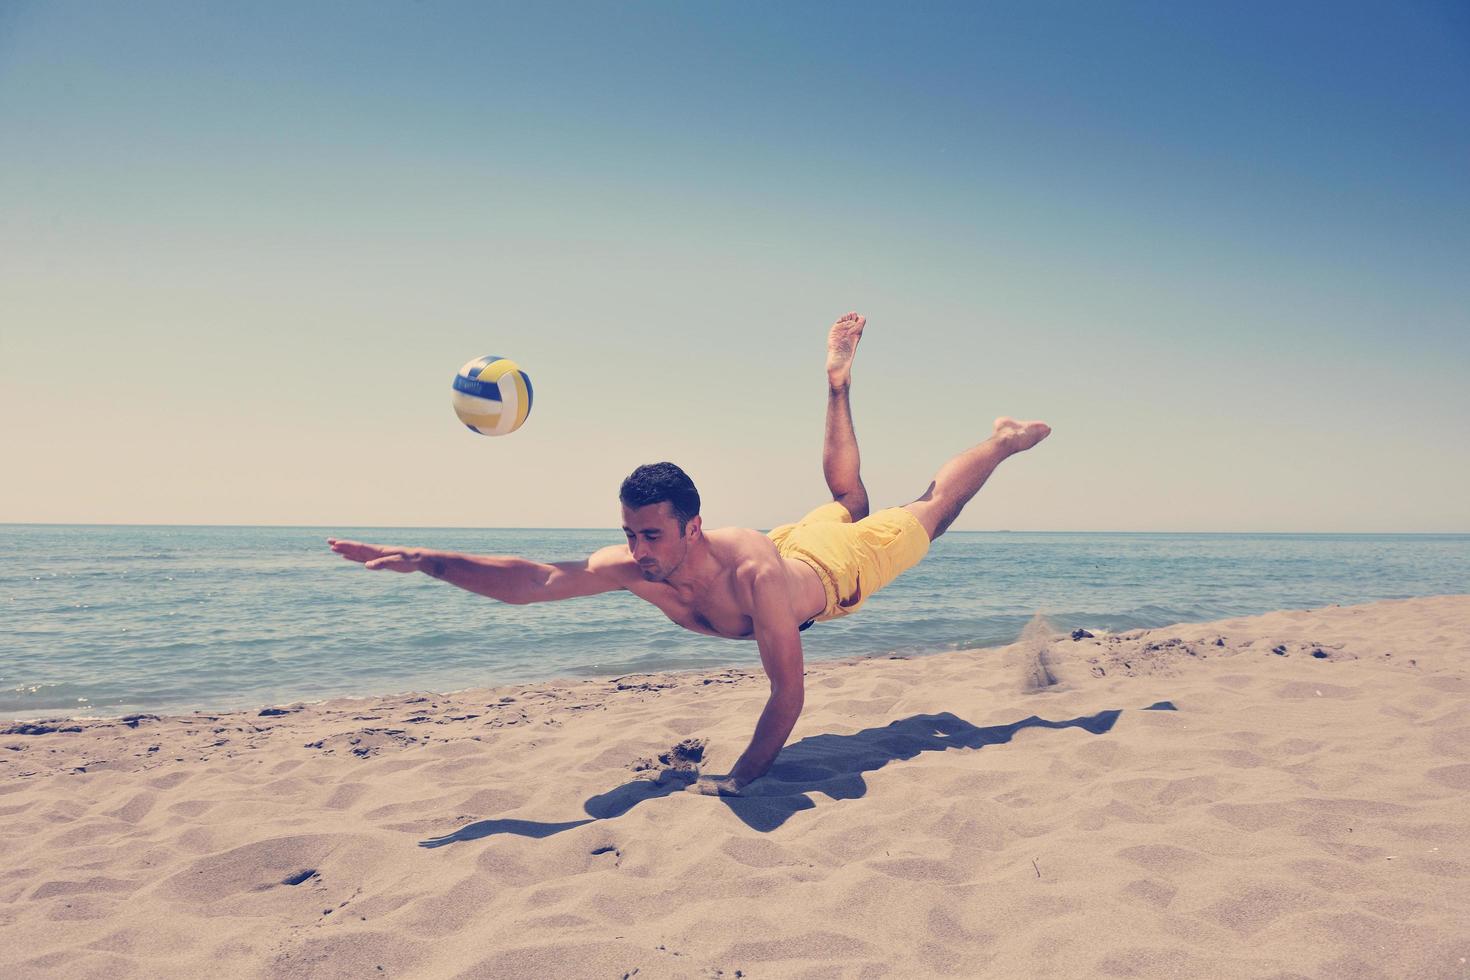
x,y
363,553
395,563
713,786
374,556
355,550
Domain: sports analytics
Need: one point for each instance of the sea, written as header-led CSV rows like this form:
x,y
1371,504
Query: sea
x,y
108,620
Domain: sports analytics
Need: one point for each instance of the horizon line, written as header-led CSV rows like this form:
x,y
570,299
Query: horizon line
x,y
475,527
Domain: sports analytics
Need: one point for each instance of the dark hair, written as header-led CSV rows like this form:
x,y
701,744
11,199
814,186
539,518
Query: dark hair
x,y
654,483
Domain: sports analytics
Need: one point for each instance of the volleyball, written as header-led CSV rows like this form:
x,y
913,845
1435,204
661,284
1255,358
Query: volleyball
x,y
492,395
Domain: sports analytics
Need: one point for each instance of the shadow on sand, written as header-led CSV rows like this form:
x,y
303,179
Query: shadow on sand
x,y
829,764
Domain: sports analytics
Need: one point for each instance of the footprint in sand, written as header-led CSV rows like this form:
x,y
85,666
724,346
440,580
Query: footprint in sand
x,y
1164,859
263,867
1250,909
1150,892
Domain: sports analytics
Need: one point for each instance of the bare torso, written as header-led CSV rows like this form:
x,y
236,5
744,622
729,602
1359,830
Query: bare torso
x,y
713,606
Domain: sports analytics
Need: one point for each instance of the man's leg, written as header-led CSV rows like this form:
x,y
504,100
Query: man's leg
x,y
840,461
962,477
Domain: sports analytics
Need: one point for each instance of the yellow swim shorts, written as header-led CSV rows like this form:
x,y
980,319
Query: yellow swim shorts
x,y
853,560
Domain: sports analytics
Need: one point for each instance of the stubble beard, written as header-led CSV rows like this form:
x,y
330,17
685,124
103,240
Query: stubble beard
x,y
661,575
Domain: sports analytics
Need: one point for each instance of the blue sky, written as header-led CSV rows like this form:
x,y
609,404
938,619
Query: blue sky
x,y
243,248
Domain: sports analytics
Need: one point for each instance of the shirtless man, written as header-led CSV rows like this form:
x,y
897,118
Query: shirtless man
x,y
739,583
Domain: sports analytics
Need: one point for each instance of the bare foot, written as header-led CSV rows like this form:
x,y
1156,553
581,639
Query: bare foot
x,y
1020,436
842,343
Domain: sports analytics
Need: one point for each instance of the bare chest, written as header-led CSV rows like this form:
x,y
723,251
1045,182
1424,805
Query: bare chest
x,y
714,610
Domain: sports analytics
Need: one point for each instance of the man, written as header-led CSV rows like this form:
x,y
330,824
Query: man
x,y
739,583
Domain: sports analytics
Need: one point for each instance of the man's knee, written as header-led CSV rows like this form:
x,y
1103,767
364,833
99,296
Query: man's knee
x,y
856,503
935,511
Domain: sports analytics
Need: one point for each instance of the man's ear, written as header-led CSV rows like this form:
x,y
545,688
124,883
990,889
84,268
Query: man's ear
x,y
693,528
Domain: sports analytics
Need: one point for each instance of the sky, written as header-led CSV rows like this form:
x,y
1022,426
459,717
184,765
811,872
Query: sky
x,y
1221,248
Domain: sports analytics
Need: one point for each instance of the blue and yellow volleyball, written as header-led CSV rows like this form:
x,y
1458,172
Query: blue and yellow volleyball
x,y
492,395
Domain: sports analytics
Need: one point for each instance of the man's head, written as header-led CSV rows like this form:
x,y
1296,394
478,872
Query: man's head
x,y
660,518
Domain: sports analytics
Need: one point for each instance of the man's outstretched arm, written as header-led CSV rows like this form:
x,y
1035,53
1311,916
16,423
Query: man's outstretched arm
x,y
508,579
778,634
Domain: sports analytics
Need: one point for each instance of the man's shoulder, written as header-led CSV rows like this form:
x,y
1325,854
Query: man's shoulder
x,y
613,561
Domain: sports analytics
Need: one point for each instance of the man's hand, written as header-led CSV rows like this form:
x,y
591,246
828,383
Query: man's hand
x,y
714,786
376,556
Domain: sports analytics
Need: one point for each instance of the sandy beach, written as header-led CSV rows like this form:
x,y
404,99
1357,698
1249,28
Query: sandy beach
x,y
1278,796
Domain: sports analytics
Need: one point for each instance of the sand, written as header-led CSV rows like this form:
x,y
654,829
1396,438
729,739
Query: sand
x,y
1280,796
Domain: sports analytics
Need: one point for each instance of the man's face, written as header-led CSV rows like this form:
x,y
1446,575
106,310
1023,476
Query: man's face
x,y
654,539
